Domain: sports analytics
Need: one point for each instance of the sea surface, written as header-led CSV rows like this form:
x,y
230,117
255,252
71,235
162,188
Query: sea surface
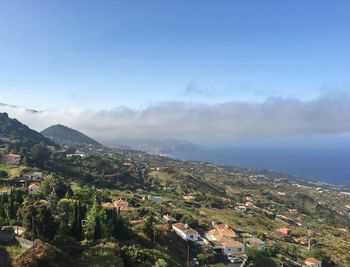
x,y
330,166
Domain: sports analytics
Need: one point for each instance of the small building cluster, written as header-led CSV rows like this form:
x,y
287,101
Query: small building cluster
x,y
11,158
224,240
122,205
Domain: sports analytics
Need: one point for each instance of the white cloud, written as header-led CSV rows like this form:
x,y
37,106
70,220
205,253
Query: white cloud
x,y
230,121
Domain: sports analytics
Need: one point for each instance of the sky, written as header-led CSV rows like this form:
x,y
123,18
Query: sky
x,y
206,70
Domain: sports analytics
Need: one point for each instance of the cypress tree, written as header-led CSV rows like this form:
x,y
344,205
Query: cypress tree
x,y
97,230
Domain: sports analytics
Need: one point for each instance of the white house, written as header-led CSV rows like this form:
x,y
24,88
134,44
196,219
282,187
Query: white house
x,y
222,238
185,232
169,219
241,208
254,243
33,176
228,246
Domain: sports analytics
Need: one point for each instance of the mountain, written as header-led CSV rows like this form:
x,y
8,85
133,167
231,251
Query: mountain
x,y
156,146
16,131
65,135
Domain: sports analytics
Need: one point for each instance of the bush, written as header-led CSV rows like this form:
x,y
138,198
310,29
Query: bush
x,y
3,174
134,256
259,259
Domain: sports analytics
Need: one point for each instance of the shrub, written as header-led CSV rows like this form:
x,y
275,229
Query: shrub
x,y
3,174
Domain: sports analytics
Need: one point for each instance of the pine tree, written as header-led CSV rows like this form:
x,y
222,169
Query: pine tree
x,y
97,230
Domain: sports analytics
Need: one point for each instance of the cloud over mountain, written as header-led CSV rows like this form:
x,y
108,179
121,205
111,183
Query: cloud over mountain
x,y
229,121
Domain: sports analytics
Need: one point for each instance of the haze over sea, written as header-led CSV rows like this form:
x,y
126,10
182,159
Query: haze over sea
x,y
325,165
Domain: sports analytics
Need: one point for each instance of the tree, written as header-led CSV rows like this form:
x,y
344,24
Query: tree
x,y
161,263
53,182
117,227
53,201
95,219
320,255
187,219
257,258
38,220
76,228
202,257
3,174
39,154
149,227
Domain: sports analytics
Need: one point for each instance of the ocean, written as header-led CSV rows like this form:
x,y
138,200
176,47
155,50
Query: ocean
x,y
324,165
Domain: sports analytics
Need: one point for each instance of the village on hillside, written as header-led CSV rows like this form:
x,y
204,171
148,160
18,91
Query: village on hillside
x,y
197,223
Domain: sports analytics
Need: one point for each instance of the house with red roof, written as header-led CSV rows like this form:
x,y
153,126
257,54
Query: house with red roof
x,y
11,159
120,204
283,231
33,187
313,262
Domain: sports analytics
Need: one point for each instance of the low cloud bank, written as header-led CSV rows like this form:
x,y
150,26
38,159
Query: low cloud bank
x,y
230,121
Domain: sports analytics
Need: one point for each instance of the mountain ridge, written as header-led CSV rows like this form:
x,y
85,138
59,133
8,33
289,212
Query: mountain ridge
x,y
65,135
15,130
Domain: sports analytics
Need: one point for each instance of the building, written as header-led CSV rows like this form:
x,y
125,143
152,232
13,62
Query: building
x,y
11,158
189,198
33,187
18,230
283,231
313,262
228,247
167,189
168,219
122,205
241,208
36,176
222,238
185,232
221,230
254,243
76,156
155,199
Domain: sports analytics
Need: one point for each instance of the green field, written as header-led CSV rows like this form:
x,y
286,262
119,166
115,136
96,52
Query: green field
x,y
12,170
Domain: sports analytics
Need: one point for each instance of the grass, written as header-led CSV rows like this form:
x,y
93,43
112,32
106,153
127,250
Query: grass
x,y
100,255
15,251
4,189
241,222
161,176
13,170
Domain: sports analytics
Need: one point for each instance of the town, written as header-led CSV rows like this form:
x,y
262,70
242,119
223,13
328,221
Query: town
x,y
144,210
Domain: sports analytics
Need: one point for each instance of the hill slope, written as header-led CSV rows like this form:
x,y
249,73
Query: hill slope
x,y
14,130
65,135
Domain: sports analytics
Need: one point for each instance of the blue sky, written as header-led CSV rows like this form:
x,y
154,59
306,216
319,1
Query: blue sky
x,y
105,54
209,71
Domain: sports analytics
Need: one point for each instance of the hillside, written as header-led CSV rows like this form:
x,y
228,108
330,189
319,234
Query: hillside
x,y
16,131
90,185
65,135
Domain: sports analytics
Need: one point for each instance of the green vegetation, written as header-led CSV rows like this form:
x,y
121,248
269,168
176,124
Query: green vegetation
x,y
73,211
65,135
15,251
